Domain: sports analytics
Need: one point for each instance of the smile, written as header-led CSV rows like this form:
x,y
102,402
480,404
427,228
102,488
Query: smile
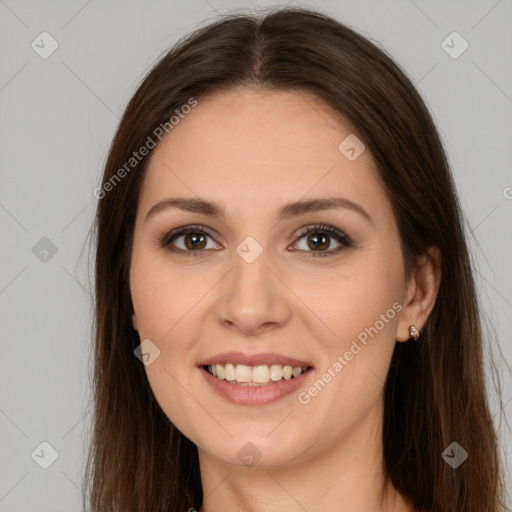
x,y
260,375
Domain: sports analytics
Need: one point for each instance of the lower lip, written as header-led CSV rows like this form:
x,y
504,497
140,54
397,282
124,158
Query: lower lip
x,y
255,395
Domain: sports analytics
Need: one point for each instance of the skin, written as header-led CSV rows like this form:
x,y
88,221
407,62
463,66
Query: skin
x,y
253,151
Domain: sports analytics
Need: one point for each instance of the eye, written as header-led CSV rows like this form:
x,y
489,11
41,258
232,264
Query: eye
x,y
194,241
318,239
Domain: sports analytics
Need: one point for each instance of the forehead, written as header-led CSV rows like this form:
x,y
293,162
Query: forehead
x,y
246,148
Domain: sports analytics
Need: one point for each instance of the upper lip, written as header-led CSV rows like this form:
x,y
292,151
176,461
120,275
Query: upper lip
x,y
253,359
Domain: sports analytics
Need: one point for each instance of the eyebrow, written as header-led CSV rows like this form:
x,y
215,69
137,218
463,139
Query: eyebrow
x,y
210,208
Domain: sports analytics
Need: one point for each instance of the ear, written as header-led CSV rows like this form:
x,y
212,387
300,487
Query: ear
x,y
134,322
421,293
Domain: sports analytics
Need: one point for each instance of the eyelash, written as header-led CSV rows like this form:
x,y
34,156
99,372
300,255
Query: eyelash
x,y
340,237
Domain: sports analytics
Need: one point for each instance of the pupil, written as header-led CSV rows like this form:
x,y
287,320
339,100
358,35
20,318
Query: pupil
x,y
195,240
316,245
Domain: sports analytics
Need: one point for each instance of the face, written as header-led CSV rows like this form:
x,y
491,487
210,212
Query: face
x,y
254,281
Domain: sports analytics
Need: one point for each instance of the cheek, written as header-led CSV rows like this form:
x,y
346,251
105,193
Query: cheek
x,y
356,296
359,316
164,300
162,295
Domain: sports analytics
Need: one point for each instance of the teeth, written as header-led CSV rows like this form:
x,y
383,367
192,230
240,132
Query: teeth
x,y
260,374
276,372
296,371
242,373
229,372
287,372
254,375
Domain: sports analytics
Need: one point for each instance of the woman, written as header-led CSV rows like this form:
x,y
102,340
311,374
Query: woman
x,y
286,316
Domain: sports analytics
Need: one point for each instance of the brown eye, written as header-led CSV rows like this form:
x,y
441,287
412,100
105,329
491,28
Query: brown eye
x,y
190,241
194,241
318,240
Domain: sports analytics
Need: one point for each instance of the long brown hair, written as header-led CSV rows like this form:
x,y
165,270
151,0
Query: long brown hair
x,y
435,392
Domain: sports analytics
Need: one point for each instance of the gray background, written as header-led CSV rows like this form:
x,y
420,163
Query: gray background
x,y
58,116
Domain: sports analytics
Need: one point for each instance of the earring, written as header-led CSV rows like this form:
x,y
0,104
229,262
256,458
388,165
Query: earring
x,y
413,332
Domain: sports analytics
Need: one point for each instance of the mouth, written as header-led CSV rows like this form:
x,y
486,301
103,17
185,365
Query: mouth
x,y
257,385
260,375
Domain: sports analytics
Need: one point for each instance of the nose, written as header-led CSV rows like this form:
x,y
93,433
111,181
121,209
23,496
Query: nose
x,y
254,300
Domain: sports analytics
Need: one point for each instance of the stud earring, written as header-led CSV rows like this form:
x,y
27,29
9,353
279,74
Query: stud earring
x,y
413,332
